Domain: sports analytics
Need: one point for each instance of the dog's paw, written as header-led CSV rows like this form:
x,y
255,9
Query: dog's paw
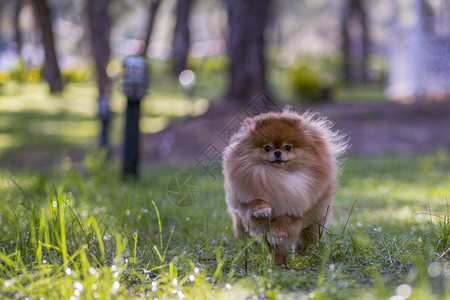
x,y
262,212
260,209
280,259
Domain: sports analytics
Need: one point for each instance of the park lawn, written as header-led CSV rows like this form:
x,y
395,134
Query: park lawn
x,y
91,235
32,121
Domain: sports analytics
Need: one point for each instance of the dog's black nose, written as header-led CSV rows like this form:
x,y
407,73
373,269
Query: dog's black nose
x,y
277,153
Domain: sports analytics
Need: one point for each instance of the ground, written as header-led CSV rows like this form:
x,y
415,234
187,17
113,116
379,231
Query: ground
x,y
90,234
373,128
40,131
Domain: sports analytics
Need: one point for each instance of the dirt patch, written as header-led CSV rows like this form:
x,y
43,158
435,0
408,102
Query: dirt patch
x,y
375,128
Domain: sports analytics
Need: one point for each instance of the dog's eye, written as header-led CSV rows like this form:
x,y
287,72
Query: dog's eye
x,y
288,147
267,148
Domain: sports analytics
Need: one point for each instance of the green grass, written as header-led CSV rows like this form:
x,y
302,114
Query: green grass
x,y
32,121
88,234
91,235
361,94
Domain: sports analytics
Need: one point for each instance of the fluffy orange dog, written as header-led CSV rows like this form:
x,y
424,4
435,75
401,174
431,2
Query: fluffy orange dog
x,y
280,178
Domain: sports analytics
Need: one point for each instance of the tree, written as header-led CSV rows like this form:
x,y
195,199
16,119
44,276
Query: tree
x,y
2,9
247,22
53,72
181,38
153,9
17,32
100,26
355,41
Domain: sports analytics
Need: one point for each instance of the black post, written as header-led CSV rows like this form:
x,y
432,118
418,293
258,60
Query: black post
x,y
132,133
135,85
105,117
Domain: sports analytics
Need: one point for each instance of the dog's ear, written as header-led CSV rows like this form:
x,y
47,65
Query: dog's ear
x,y
262,120
245,126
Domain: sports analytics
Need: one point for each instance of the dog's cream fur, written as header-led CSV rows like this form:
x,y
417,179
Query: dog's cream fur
x,y
284,201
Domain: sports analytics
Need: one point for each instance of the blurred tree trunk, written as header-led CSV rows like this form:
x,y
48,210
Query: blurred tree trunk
x,y
355,42
247,22
51,62
181,37
427,13
427,9
345,50
2,17
100,26
153,10
16,20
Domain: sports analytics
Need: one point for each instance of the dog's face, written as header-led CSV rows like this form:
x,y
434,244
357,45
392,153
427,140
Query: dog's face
x,y
277,141
277,154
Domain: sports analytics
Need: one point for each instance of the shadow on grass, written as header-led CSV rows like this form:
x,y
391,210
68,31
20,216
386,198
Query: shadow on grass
x,y
34,139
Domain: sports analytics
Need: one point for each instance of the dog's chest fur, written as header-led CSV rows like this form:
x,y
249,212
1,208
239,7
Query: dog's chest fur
x,y
288,193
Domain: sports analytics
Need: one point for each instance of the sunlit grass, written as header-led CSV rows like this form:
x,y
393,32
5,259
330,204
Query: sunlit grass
x,y
363,93
31,118
7,141
92,235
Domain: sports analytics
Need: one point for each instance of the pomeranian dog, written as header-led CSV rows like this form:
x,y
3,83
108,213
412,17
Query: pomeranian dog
x,y
280,179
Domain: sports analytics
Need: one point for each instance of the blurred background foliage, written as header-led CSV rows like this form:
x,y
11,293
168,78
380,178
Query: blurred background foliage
x,y
302,41
314,52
